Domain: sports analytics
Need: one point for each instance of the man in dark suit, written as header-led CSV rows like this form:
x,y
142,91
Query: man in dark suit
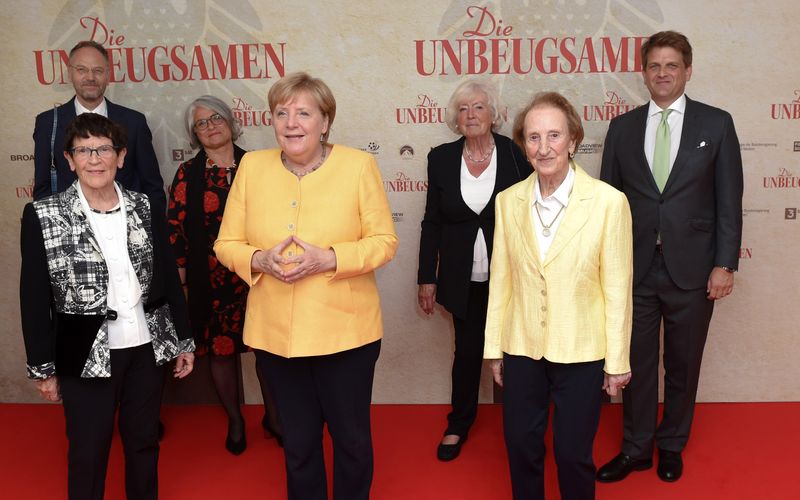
x,y
683,178
88,72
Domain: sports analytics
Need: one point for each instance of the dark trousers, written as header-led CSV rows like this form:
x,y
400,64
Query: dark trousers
x,y
90,404
335,389
468,361
576,391
686,315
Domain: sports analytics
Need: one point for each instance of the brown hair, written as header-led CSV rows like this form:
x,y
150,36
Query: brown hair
x,y
553,100
292,84
671,39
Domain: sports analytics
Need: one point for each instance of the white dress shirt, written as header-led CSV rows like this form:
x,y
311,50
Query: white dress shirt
x,y
101,109
110,228
477,191
675,122
550,209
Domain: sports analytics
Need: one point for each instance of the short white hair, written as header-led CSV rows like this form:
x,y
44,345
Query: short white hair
x,y
469,88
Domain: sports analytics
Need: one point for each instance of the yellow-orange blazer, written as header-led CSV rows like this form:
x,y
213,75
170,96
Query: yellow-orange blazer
x,y
342,206
576,305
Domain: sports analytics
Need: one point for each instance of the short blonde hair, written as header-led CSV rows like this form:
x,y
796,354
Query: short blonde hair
x,y
552,100
292,84
468,88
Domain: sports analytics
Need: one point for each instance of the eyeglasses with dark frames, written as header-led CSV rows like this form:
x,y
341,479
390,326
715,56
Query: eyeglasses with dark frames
x,y
202,124
85,152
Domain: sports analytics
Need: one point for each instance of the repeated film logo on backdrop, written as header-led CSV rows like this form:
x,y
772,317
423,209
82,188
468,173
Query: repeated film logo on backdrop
x,y
402,183
425,111
784,180
612,106
161,63
787,111
485,43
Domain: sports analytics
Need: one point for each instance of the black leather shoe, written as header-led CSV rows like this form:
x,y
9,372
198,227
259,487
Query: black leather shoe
x,y
620,466
447,452
236,446
670,465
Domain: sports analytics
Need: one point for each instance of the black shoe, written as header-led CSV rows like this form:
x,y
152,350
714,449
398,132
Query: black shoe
x,y
620,466
236,447
160,430
270,432
447,452
670,465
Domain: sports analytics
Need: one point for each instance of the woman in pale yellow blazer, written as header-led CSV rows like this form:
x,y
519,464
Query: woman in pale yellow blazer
x,y
305,226
559,315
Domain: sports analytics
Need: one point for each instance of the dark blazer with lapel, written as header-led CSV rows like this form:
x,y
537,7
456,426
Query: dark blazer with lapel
x,y
699,214
449,227
140,171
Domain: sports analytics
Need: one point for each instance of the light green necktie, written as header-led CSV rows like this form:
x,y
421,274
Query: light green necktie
x,y
661,153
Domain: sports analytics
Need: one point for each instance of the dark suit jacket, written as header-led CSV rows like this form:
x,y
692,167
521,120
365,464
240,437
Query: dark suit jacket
x,y
449,227
699,214
140,171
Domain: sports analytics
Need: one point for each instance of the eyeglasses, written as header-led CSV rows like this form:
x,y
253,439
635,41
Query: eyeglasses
x,y
202,124
84,153
83,71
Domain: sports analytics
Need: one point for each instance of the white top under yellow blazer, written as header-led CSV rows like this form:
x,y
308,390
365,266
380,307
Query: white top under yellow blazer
x,y
342,206
576,305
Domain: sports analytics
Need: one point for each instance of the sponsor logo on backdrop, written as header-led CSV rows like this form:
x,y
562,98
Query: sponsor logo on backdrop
x,y
784,180
590,149
402,183
751,211
491,45
797,146
21,157
248,116
752,146
790,214
787,111
424,112
613,105
25,191
406,152
372,148
181,155
163,62
397,216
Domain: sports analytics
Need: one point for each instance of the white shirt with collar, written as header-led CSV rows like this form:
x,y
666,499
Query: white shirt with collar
x,y
101,109
675,122
550,209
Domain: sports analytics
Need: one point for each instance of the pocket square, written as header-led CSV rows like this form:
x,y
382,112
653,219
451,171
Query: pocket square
x,y
702,144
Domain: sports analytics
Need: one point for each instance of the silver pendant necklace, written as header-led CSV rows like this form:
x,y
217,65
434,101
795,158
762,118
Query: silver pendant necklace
x,y
546,227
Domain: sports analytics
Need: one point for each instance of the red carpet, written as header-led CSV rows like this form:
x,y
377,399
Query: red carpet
x,y
738,451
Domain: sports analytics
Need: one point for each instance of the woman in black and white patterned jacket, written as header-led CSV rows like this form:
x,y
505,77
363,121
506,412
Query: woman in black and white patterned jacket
x,y
102,311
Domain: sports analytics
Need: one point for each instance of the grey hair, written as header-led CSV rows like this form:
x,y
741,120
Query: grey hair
x,y
468,88
216,105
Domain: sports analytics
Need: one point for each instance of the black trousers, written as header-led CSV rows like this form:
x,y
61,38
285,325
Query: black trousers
x,y
90,404
335,389
576,391
468,360
686,315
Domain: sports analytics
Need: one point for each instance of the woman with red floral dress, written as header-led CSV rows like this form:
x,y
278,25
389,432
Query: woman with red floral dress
x,y
216,296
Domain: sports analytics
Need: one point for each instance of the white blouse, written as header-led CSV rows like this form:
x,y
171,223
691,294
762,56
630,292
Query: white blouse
x,y
476,192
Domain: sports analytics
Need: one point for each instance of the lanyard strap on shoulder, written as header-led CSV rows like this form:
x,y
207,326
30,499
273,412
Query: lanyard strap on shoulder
x,y
53,175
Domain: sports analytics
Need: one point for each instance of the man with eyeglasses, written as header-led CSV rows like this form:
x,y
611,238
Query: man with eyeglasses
x,y
88,72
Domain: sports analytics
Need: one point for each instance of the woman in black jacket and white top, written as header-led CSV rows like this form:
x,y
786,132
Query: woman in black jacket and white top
x,y
456,243
102,311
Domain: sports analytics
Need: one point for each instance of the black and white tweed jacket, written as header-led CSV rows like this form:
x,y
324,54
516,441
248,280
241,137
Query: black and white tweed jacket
x,y
78,287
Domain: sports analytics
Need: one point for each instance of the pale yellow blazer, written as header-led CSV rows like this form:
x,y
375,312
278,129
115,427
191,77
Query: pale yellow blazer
x,y
575,306
342,206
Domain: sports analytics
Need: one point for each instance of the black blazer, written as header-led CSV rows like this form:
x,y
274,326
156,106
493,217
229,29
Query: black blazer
x,y
449,227
140,171
699,214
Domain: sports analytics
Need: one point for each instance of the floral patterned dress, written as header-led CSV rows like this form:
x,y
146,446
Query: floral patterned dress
x,y
222,334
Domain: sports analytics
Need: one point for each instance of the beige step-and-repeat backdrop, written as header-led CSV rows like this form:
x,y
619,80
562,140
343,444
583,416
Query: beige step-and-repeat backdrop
x,y
392,66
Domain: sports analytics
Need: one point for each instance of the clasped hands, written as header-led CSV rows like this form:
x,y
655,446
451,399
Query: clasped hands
x,y
313,260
